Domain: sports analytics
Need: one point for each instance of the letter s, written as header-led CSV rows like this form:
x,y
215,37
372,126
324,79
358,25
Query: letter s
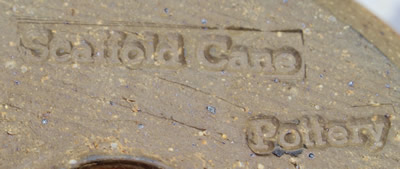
x,y
36,43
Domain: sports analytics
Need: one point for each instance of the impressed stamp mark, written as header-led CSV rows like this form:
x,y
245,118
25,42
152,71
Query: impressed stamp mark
x,y
162,47
266,133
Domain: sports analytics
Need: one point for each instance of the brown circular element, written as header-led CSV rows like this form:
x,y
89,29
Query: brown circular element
x,y
119,164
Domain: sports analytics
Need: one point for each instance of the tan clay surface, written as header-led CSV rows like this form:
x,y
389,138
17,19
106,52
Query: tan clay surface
x,y
192,85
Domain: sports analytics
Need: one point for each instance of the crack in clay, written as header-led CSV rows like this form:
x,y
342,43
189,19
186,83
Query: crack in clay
x,y
11,105
394,109
374,105
206,93
150,114
179,122
165,118
153,115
